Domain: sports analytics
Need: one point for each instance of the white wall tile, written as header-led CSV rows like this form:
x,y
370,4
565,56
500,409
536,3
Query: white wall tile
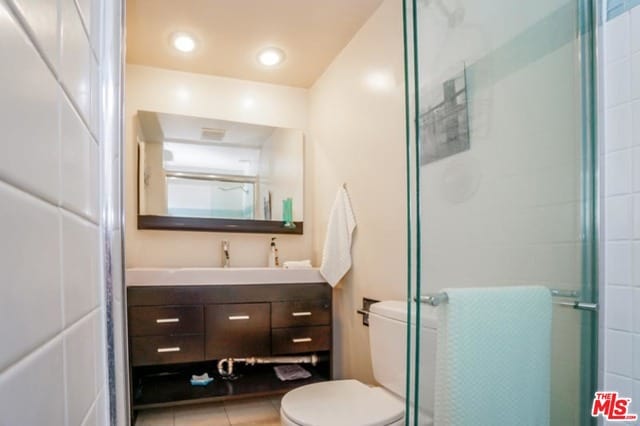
x,y
42,20
79,267
79,370
618,220
32,393
635,76
620,302
28,115
635,262
636,216
101,410
635,29
84,7
94,121
79,165
636,359
618,173
91,418
619,383
620,317
618,352
30,300
618,263
49,182
636,312
618,127
617,82
635,126
75,58
635,404
635,156
90,13
616,36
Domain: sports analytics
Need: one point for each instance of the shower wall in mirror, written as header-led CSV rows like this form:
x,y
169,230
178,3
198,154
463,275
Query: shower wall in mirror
x,y
208,174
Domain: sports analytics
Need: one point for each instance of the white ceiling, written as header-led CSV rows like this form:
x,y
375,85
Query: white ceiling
x,y
158,127
230,33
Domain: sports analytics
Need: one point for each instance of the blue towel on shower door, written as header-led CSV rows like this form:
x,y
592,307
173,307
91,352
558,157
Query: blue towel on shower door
x,y
493,357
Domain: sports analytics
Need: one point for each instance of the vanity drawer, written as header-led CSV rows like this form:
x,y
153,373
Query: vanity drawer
x,y
165,320
151,350
238,330
300,339
300,313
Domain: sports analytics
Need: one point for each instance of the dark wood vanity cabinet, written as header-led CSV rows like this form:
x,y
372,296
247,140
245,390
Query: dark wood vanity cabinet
x,y
237,330
177,331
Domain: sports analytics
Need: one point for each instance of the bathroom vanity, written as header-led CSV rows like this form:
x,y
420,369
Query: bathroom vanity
x,y
182,321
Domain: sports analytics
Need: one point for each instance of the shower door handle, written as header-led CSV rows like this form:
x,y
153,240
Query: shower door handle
x,y
582,306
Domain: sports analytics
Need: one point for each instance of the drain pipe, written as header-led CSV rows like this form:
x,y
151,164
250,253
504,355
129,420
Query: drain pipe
x,y
228,372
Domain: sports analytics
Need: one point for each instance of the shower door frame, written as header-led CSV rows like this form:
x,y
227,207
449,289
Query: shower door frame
x,y
589,17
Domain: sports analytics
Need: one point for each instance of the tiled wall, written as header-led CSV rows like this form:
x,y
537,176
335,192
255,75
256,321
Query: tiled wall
x,y
621,172
618,7
52,366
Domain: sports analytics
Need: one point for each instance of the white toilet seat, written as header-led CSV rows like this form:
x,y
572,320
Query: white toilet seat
x,y
341,403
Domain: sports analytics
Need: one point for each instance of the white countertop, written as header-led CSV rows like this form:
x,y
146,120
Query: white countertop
x,y
220,276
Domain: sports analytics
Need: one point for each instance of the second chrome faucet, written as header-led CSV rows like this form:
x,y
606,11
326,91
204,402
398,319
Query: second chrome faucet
x,y
226,260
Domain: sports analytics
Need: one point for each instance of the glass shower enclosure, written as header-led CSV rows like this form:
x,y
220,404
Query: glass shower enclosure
x,y
501,165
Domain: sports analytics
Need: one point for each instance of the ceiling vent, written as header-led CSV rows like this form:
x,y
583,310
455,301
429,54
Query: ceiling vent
x,y
213,134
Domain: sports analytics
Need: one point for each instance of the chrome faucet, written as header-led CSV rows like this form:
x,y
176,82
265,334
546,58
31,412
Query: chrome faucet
x,y
226,261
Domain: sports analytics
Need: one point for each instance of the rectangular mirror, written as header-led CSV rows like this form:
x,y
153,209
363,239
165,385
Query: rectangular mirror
x,y
215,175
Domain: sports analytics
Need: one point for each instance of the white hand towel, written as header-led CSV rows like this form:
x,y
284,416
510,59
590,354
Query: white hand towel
x,y
336,257
297,264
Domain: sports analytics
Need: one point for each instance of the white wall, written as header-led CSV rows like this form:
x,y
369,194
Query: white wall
x,y
620,160
174,92
52,361
357,137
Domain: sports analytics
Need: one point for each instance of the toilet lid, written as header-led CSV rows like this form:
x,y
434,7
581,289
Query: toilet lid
x,y
341,402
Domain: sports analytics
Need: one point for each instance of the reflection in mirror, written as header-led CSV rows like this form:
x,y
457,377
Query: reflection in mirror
x,y
192,167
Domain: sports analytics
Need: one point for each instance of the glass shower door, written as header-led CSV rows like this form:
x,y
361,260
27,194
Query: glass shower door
x,y
501,171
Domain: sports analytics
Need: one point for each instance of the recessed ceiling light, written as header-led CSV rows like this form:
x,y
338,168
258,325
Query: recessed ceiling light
x,y
183,42
271,56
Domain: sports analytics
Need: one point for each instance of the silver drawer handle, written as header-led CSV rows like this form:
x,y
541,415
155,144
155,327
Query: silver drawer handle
x,y
301,314
174,349
167,320
239,317
302,340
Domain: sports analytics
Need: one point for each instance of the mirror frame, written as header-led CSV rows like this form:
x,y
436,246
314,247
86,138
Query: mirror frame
x,y
176,223
207,224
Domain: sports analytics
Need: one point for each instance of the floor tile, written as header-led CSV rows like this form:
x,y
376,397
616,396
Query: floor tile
x,y
275,401
155,418
201,415
248,412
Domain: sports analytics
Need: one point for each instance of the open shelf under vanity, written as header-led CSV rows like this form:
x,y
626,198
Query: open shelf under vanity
x,y
178,331
155,388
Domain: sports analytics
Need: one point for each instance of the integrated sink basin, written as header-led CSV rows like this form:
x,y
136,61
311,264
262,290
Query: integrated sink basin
x,y
220,276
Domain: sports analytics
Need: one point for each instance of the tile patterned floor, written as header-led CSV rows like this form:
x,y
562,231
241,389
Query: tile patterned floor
x,y
264,411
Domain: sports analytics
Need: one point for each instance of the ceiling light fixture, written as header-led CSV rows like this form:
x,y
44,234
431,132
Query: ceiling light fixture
x,y
271,56
183,42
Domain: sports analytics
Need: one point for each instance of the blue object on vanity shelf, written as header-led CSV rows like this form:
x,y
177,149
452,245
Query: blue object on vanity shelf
x,y
202,380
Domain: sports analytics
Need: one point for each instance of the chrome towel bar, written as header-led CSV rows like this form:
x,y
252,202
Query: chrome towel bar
x,y
440,298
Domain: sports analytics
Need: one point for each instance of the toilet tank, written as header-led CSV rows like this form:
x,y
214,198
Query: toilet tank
x,y
388,345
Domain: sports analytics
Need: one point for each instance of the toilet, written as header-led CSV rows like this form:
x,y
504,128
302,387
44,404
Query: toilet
x,y
352,403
